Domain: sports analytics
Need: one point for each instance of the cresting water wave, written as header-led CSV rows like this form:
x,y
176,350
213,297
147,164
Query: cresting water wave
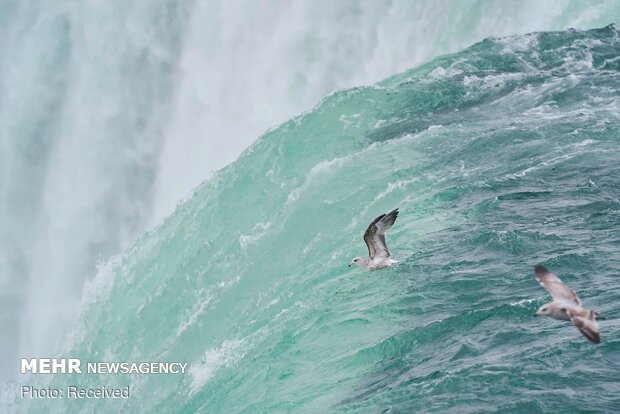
x,y
112,111
500,156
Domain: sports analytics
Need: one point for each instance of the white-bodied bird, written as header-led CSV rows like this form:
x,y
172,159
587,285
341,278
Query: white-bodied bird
x,y
566,306
378,254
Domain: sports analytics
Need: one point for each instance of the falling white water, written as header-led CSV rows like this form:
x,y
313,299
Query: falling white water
x,y
112,111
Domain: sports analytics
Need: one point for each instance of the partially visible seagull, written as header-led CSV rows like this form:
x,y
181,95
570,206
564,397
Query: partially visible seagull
x,y
566,306
378,254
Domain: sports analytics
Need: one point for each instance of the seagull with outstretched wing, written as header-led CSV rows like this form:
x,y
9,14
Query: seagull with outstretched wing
x,y
378,254
566,306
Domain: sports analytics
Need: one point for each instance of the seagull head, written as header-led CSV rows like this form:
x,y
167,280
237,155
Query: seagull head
x,y
357,261
543,311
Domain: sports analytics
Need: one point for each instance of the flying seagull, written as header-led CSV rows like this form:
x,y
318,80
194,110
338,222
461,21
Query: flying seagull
x,y
566,306
378,254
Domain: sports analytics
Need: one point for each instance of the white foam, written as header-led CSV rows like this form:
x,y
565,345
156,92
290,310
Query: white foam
x,y
524,302
258,231
214,359
193,317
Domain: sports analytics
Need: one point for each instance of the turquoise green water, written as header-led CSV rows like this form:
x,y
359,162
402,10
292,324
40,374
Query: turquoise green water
x,y
499,157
